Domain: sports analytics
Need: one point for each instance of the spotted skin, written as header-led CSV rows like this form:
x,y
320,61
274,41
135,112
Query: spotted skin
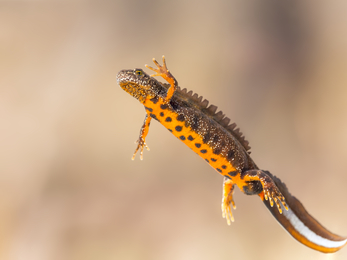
x,y
210,135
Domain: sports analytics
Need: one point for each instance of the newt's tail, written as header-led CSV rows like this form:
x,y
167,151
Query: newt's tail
x,y
301,225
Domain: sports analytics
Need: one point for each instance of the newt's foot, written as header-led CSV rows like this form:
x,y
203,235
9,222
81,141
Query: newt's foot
x,y
140,146
165,74
272,193
160,70
226,210
270,190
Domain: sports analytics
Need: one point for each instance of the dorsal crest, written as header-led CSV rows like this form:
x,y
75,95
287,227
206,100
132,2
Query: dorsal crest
x,y
212,112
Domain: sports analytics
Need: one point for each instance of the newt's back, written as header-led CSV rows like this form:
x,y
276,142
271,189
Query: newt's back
x,y
203,130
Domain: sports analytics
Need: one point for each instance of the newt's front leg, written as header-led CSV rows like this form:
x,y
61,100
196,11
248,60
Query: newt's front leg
x,y
165,73
141,141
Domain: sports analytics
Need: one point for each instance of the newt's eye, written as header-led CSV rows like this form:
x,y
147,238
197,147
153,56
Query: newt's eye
x,y
139,72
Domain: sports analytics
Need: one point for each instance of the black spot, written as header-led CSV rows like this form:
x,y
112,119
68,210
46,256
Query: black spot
x,y
203,151
163,106
232,173
182,137
215,138
180,118
198,145
224,167
207,160
195,123
170,130
149,109
219,170
161,114
207,137
217,151
213,159
252,187
154,100
230,154
168,119
178,128
153,116
190,138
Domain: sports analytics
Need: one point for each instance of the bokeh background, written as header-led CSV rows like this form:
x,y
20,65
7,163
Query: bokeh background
x,y
68,189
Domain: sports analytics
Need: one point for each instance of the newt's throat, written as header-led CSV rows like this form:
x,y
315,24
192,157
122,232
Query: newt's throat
x,y
134,90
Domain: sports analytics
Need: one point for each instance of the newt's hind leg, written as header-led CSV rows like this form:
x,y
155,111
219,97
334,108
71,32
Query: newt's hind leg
x,y
165,73
141,141
269,188
228,191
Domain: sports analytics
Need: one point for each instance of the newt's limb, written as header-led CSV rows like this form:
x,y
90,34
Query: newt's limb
x,y
141,141
269,188
165,74
228,191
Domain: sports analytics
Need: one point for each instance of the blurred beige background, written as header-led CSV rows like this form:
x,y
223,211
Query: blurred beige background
x,y
68,189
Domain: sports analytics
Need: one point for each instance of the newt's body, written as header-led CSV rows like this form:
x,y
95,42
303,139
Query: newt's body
x,y
210,135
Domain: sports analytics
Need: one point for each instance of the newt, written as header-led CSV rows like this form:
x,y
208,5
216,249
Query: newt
x,y
210,134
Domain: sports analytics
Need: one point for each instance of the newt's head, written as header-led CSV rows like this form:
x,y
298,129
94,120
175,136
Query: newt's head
x,y
139,84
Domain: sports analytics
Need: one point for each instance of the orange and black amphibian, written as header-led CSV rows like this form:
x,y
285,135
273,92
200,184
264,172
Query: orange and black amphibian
x,y
209,134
